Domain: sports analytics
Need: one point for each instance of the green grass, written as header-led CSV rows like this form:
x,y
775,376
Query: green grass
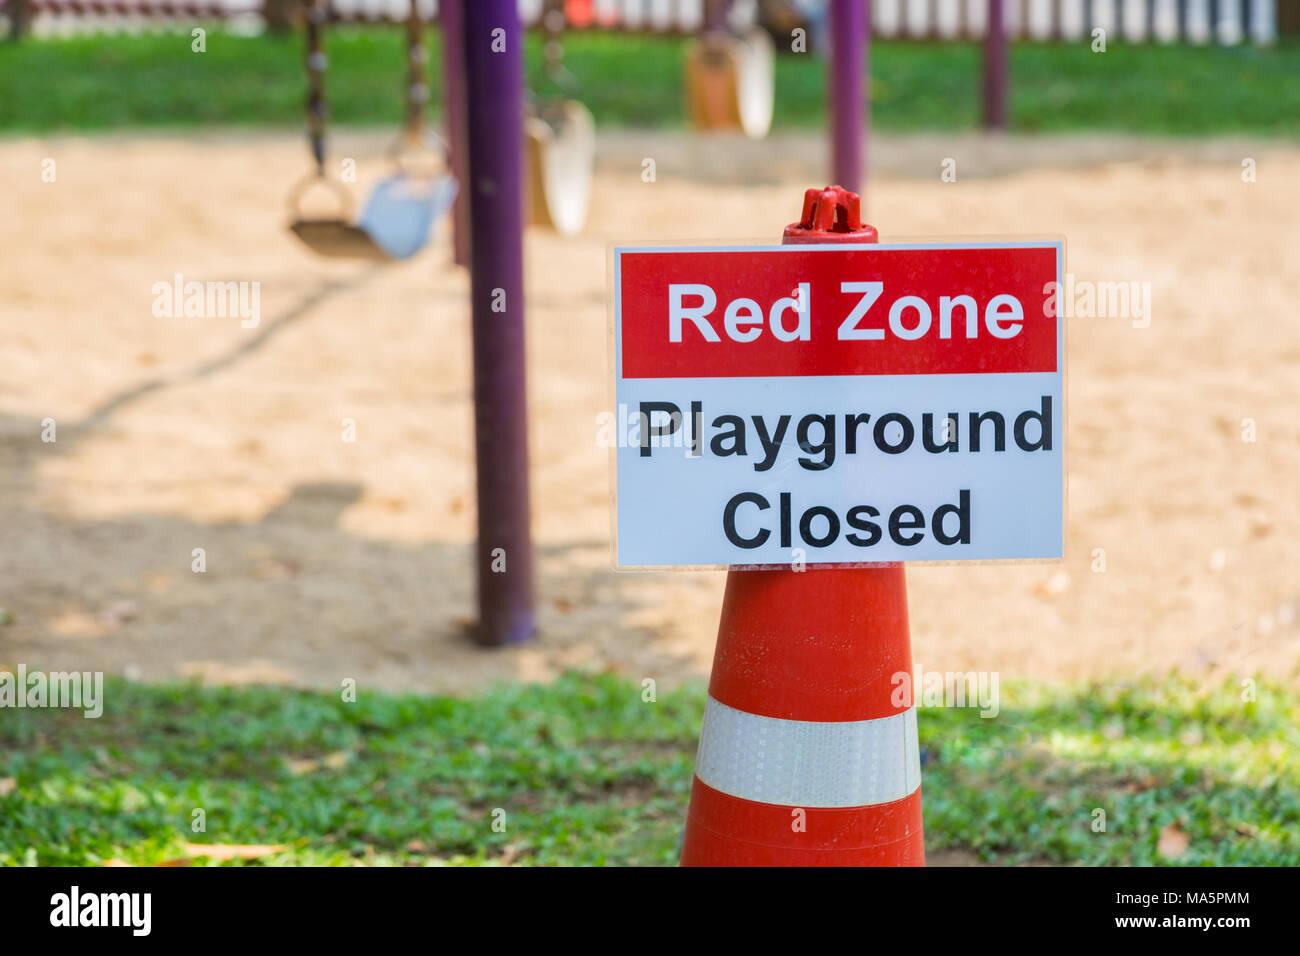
x,y
588,773
102,82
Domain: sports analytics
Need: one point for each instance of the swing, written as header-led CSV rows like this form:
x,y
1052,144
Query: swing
x,y
730,81
398,218
560,142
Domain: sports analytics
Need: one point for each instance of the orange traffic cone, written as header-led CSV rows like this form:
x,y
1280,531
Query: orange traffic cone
x,y
808,756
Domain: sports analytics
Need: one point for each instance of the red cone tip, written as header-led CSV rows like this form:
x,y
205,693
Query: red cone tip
x,y
829,214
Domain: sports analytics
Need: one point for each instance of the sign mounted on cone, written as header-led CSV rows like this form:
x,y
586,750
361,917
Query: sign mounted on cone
x,y
841,403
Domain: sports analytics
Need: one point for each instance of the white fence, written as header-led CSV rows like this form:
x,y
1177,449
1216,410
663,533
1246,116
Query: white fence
x,y
1165,21
1226,22
1197,21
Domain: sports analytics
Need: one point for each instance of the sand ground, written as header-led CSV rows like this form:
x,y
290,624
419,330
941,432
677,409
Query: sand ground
x,y
328,559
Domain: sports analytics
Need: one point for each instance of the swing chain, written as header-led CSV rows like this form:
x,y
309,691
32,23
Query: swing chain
x,y
418,151
317,106
554,22
417,88
317,14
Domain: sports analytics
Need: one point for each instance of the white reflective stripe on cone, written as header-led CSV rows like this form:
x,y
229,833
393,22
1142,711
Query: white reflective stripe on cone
x,y
809,763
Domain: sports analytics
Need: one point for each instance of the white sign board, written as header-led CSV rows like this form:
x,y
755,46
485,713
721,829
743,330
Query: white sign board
x,y
838,403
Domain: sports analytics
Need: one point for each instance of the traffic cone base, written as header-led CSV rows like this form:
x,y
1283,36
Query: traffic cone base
x,y
723,830
808,753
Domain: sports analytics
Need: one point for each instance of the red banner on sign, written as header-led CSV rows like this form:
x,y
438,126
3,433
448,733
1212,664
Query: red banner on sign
x,y
801,310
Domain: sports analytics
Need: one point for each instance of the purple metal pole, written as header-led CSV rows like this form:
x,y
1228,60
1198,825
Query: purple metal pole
x,y
995,69
494,113
864,163
848,29
451,17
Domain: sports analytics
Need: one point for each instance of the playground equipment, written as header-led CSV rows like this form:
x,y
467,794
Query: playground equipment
x,y
561,142
451,25
493,84
850,39
730,77
399,215
995,69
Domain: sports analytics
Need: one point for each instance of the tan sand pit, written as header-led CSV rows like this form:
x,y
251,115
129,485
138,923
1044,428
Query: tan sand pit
x,y
328,559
